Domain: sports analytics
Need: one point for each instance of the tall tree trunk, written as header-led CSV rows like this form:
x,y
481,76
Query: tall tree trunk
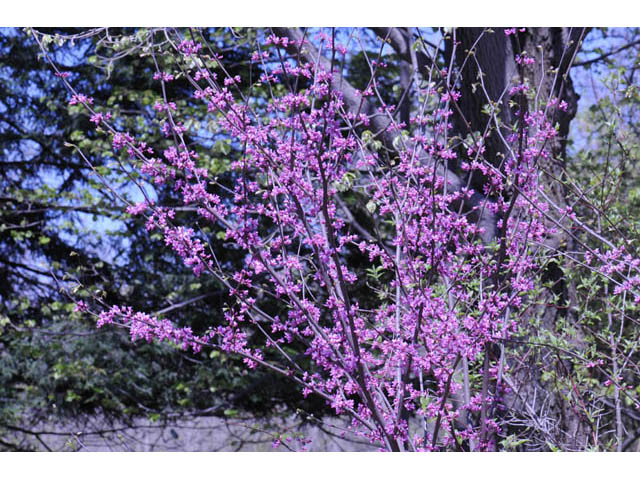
x,y
484,61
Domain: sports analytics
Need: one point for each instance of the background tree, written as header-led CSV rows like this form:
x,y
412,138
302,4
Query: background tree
x,y
58,223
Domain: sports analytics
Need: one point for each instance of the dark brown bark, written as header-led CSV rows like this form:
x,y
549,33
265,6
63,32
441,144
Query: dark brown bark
x,y
484,61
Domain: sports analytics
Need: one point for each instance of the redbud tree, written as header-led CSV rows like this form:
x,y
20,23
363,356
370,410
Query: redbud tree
x,y
397,250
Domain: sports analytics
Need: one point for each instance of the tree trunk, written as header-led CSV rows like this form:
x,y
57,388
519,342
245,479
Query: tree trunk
x,y
484,61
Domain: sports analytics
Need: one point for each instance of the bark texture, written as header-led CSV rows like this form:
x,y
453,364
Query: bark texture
x,y
484,61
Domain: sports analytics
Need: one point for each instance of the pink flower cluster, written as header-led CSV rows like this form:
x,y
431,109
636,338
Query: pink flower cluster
x,y
144,326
